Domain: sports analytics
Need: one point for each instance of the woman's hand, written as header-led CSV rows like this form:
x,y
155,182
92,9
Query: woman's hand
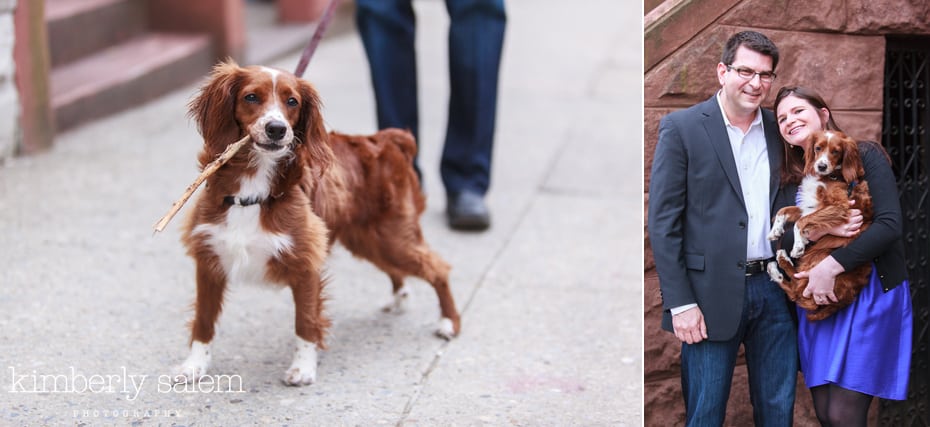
x,y
849,229
821,279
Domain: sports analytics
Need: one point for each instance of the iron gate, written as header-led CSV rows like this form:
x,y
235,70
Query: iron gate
x,y
905,137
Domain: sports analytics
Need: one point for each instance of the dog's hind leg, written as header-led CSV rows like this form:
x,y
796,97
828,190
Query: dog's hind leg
x,y
784,280
775,274
407,255
435,270
401,294
419,261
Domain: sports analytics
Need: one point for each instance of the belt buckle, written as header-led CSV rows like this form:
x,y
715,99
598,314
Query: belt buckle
x,y
750,268
755,267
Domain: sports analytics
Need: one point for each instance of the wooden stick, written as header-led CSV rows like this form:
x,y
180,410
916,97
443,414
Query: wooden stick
x,y
211,168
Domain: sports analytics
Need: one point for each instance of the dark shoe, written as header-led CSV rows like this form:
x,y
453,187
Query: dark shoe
x,y
467,211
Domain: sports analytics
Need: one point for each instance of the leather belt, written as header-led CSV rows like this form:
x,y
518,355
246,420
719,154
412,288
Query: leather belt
x,y
757,266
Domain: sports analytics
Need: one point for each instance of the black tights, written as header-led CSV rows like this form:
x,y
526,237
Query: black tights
x,y
837,406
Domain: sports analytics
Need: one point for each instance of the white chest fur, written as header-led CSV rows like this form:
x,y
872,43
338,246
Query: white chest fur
x,y
807,196
242,245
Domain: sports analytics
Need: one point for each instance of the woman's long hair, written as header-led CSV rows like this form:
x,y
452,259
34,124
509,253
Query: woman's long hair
x,y
793,167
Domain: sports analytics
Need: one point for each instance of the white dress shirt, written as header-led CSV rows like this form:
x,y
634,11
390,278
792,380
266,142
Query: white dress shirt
x,y
752,164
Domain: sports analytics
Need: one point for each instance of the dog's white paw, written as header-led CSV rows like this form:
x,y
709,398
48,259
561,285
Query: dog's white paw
x,y
300,376
196,364
797,250
774,272
303,368
799,242
446,329
778,228
399,304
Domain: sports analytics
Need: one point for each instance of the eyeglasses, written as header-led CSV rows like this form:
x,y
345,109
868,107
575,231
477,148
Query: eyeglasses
x,y
749,73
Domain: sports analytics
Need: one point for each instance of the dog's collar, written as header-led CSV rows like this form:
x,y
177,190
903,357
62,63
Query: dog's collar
x,y
849,189
239,201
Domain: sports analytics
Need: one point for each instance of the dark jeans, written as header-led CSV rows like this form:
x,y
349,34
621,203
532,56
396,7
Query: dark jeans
x,y
476,37
770,339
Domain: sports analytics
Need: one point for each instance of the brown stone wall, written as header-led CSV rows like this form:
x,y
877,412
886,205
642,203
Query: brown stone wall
x,y
648,5
836,47
223,19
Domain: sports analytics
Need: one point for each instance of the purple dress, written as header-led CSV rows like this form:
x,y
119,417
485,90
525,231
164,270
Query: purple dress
x,y
865,347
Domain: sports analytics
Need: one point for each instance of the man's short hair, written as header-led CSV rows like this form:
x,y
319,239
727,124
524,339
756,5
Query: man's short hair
x,y
752,40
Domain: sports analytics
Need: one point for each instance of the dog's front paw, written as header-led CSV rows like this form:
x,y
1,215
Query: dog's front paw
x,y
446,329
797,250
399,303
303,368
188,373
195,366
778,228
300,375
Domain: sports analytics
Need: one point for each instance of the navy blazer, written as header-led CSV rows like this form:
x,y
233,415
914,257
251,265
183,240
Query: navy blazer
x,y
697,216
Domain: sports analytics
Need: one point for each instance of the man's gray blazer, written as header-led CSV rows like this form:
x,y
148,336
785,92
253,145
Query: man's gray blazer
x,y
697,216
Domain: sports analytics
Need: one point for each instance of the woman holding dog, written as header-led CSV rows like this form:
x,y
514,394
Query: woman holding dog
x,y
863,350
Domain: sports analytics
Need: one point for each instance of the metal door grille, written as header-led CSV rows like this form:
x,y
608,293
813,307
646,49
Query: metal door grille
x,y
904,136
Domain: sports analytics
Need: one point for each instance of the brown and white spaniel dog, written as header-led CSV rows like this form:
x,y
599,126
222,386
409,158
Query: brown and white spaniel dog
x,y
833,176
272,212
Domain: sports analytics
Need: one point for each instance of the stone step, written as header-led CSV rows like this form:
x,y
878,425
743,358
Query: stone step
x,y
126,75
77,28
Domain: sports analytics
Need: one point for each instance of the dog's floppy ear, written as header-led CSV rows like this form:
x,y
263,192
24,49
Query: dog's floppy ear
x,y
310,130
809,153
852,163
214,109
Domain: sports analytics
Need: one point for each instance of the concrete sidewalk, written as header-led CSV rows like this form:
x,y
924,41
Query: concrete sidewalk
x,y
94,305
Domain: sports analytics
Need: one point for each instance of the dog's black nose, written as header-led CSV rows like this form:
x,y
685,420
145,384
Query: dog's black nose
x,y
275,130
821,168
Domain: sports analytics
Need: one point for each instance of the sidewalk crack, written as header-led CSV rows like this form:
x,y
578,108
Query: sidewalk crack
x,y
424,378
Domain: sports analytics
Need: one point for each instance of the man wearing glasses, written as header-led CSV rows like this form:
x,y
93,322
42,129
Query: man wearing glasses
x,y
712,191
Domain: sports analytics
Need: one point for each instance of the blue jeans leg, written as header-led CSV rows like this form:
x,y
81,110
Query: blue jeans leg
x,y
769,337
706,375
476,39
771,344
388,30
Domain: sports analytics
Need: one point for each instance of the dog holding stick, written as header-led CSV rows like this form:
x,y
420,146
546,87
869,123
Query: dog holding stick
x,y
271,212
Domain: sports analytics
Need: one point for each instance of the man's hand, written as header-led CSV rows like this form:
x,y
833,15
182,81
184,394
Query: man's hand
x,y
689,326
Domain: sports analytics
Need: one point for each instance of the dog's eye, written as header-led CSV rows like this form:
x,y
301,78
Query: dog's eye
x,y
292,102
251,97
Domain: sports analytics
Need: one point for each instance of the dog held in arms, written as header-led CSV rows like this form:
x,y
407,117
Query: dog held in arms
x,y
271,214
833,176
